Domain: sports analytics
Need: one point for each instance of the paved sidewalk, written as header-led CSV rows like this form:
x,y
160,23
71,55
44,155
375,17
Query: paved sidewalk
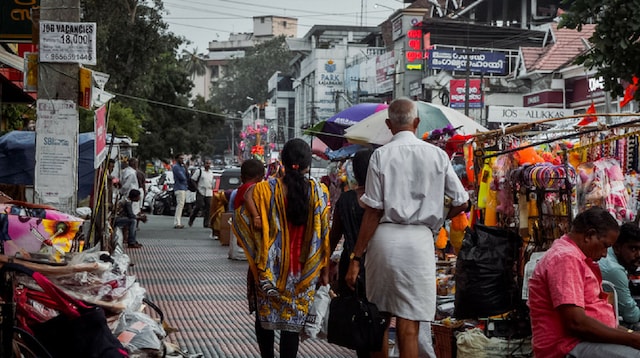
x,y
202,292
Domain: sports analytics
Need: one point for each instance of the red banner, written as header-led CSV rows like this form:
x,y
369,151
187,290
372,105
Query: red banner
x,y
457,93
100,144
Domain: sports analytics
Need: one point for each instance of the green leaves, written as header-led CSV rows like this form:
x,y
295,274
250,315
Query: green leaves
x,y
615,41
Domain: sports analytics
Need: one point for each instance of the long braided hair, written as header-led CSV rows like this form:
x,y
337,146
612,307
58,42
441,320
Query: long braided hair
x,y
296,157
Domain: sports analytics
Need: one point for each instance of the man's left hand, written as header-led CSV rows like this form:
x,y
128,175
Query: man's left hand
x,y
352,274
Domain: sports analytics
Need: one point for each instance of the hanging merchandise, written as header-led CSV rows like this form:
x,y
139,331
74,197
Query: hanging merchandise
x,y
602,183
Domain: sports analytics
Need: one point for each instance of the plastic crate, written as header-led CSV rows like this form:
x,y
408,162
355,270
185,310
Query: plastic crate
x,y
444,341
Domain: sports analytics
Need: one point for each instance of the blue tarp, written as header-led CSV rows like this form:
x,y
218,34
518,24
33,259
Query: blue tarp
x,y
17,160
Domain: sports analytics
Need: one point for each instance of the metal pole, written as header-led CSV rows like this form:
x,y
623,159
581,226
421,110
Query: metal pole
x,y
466,87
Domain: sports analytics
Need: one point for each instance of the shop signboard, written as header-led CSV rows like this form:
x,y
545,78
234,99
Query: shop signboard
x,y
504,114
481,62
15,20
385,72
458,93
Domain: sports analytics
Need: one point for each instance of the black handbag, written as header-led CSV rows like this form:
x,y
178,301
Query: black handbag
x,y
79,331
356,323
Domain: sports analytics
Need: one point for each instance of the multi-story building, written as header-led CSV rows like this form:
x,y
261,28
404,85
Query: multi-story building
x,y
221,52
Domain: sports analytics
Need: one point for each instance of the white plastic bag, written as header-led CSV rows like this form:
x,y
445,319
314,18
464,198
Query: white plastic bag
x,y
318,317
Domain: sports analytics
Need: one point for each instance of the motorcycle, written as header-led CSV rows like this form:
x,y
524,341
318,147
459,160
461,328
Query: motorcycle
x,y
164,203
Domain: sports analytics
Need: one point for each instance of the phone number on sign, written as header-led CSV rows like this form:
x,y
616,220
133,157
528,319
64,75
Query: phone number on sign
x,y
70,57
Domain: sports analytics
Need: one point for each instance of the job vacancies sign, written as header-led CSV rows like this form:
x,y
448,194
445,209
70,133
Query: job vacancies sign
x,y
68,42
503,114
482,62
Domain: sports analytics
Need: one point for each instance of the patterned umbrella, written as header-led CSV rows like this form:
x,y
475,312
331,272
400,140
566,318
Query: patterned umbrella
x,y
332,130
374,130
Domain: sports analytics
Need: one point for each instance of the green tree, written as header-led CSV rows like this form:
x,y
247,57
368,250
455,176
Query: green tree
x,y
615,41
248,76
121,120
146,74
17,116
194,62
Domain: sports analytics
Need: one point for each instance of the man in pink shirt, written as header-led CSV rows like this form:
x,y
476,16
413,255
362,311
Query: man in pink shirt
x,y
570,315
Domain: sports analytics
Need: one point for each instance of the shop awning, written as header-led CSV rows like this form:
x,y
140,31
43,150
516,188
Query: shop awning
x,y
11,60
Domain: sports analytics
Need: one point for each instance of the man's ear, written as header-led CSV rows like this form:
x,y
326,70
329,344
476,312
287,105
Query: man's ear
x,y
388,123
416,122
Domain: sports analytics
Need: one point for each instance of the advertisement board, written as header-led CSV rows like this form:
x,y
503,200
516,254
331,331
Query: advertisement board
x,y
68,42
482,62
458,93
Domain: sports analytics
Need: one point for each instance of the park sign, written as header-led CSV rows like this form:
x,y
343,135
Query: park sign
x,y
15,20
68,42
480,62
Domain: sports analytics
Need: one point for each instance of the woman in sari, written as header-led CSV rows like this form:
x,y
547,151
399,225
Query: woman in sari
x,y
284,230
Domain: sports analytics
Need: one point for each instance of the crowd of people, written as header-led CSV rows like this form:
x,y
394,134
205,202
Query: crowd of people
x,y
387,223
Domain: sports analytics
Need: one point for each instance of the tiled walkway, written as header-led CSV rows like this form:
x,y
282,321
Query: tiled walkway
x,y
202,292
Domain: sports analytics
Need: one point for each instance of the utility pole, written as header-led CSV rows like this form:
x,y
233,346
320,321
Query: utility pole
x,y
359,80
57,124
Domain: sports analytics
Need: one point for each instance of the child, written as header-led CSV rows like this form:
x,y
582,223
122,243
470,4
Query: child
x,y
251,172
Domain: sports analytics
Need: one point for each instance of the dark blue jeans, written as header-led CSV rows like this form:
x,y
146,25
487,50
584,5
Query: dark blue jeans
x,y
131,224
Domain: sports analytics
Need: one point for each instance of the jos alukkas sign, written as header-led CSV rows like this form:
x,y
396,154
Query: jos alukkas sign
x,y
503,114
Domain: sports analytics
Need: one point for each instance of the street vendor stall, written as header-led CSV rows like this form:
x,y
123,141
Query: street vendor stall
x,y
530,185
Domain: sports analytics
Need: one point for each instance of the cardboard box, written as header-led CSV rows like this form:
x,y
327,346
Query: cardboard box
x,y
225,228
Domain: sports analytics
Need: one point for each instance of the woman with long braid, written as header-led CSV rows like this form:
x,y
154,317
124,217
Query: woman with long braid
x,y
284,229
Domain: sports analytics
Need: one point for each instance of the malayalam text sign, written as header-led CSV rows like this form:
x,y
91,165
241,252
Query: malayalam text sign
x,y
68,42
483,62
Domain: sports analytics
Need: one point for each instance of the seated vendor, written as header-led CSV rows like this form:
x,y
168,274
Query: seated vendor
x,y
624,257
570,314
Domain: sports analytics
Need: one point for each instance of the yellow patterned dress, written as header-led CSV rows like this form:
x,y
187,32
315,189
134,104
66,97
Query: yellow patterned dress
x,y
288,266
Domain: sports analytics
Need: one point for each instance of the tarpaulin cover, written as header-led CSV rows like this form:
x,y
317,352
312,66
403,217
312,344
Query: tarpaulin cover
x,y
17,160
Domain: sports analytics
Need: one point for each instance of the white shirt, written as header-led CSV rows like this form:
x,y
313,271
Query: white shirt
x,y
408,179
205,181
129,180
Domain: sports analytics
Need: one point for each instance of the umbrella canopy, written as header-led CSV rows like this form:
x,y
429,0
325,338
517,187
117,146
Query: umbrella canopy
x,y
331,131
319,148
374,130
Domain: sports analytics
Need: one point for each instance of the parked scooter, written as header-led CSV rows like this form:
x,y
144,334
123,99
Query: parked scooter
x,y
149,198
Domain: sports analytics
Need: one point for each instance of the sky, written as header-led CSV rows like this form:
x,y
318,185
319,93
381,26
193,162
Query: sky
x,y
202,21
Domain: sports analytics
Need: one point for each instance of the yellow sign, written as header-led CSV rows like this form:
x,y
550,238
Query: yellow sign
x,y
414,66
84,95
30,72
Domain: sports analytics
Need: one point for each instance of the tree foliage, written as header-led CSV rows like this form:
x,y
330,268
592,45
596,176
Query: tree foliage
x,y
248,76
616,49
135,48
122,121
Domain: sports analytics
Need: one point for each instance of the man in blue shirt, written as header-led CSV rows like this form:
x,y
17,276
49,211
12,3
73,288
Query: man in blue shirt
x,y
624,258
179,189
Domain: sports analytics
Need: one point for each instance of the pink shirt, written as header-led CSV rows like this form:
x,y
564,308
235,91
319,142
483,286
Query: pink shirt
x,y
564,276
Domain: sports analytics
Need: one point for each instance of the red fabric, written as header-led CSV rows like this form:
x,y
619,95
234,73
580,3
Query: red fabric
x,y
296,234
564,276
239,199
629,92
589,119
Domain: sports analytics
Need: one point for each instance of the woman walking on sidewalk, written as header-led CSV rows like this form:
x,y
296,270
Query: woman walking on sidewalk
x,y
284,229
